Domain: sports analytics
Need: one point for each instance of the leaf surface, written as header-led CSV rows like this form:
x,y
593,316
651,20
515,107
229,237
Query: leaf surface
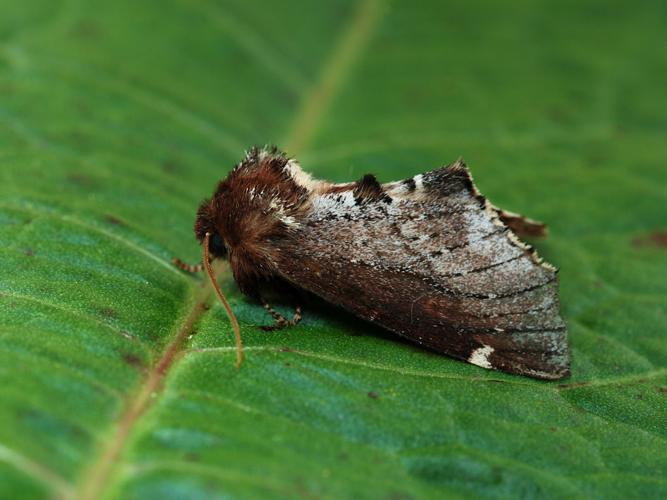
x,y
117,370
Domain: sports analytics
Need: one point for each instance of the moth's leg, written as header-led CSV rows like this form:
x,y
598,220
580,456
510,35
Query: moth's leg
x,y
190,268
281,321
521,225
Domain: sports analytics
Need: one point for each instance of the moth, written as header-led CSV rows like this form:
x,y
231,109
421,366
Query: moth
x,y
428,258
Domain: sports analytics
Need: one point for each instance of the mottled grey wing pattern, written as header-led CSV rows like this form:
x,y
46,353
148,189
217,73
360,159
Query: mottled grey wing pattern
x,y
433,262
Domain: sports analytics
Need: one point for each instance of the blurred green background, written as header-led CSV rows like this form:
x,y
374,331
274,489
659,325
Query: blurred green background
x,y
117,118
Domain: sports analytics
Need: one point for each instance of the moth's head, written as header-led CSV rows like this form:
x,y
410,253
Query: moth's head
x,y
205,223
225,215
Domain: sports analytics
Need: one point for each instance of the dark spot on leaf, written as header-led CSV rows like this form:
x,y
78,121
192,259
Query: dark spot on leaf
x,y
83,107
86,28
597,157
557,115
662,390
286,349
29,252
373,395
171,166
654,239
108,312
133,360
191,457
112,219
639,396
80,179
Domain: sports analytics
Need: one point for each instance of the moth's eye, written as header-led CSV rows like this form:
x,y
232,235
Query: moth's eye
x,y
217,245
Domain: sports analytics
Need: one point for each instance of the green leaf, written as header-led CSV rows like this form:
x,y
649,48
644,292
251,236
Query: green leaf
x,y
117,118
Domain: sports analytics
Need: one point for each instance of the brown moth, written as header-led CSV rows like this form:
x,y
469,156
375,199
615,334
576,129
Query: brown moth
x,y
428,258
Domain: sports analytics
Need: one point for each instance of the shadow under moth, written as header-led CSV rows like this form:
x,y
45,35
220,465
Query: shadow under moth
x,y
428,258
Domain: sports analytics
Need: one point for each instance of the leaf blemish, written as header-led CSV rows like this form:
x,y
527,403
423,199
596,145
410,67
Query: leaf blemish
x,y
80,179
108,312
86,29
654,239
112,219
170,166
133,360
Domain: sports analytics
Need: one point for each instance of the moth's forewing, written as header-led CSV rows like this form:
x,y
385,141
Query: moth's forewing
x,y
431,260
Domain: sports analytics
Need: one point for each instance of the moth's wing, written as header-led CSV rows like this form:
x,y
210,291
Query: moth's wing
x,y
522,225
431,260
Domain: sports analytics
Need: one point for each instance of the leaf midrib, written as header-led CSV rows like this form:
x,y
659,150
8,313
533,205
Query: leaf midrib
x,y
313,108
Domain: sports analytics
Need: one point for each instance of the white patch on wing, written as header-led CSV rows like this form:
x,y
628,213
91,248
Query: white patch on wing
x,y
348,199
480,356
337,204
419,182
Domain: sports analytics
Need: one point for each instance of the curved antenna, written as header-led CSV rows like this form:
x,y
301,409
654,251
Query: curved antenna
x,y
230,313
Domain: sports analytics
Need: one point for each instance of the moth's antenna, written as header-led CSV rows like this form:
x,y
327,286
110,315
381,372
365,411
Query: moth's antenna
x,y
230,313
